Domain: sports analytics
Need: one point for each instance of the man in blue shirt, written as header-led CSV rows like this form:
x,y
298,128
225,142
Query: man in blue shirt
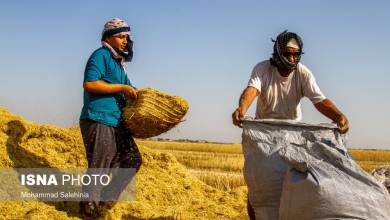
x,y
106,87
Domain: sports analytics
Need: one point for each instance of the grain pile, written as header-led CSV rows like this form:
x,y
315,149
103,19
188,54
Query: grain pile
x,y
153,113
165,190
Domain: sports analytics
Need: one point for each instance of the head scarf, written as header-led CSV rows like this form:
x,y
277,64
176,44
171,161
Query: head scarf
x,y
284,40
115,27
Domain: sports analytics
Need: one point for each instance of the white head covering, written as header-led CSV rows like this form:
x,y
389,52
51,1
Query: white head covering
x,y
293,43
115,27
118,26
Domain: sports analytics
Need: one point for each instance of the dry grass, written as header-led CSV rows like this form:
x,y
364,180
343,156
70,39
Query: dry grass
x,y
209,161
220,165
371,159
221,180
371,155
165,188
217,165
368,166
185,146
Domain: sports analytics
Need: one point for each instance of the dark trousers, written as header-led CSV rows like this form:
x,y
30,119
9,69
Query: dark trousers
x,y
109,147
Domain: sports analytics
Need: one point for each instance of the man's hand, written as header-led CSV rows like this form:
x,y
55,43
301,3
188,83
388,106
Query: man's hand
x,y
246,99
343,124
129,92
327,108
101,87
237,117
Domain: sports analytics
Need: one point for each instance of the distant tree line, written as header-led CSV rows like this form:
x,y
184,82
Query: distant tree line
x,y
186,140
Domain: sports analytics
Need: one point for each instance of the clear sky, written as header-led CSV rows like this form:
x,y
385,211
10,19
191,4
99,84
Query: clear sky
x,y
203,51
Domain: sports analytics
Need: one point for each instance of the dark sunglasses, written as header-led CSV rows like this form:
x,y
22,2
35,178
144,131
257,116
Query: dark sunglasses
x,y
294,54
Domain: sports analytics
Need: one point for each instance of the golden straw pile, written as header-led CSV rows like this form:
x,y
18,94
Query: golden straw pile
x,y
153,113
165,188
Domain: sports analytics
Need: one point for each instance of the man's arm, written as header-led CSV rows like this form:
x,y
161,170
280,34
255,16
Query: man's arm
x,y
327,108
102,87
246,99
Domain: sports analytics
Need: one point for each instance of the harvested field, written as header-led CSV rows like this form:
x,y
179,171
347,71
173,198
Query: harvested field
x,y
371,159
185,146
226,181
213,161
177,180
165,188
209,160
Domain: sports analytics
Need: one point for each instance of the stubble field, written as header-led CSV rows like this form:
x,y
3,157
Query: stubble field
x,y
220,165
169,184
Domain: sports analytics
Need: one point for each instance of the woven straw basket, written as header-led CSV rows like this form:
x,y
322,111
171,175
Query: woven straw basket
x,y
153,113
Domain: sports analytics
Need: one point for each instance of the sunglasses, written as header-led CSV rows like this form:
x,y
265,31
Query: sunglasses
x,y
294,54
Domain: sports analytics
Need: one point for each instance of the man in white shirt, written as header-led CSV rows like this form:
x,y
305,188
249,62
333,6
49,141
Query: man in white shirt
x,y
280,83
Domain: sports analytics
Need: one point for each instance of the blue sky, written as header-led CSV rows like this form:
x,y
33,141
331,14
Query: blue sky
x,y
203,51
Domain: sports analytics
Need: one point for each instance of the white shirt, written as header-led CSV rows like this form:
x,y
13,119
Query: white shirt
x,y
280,96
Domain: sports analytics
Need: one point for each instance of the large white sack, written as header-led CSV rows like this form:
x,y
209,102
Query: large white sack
x,y
296,170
